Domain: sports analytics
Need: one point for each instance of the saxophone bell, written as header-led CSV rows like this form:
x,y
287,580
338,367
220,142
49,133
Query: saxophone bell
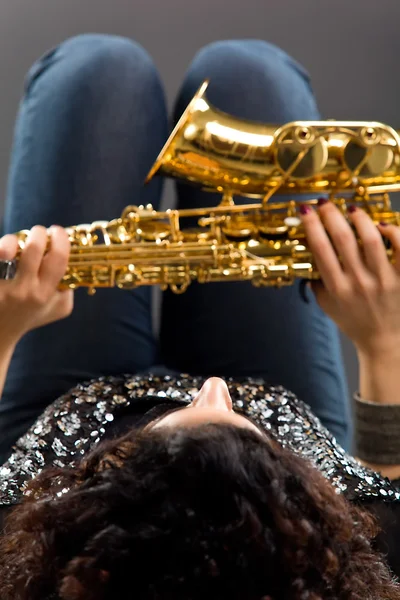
x,y
233,156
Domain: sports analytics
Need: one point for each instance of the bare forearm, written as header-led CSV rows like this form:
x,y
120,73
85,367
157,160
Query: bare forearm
x,y
380,377
6,352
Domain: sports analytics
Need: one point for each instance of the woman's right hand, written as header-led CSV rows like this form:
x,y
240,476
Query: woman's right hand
x,y
32,298
360,292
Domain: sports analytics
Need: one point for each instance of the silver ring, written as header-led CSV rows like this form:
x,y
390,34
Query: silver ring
x,y
8,268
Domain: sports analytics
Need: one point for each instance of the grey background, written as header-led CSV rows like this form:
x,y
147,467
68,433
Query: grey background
x,y
351,48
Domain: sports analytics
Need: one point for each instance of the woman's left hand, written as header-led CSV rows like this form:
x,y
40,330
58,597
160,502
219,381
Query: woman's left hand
x,y
361,291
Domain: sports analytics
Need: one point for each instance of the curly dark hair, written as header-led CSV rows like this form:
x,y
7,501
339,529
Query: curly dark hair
x,y
213,511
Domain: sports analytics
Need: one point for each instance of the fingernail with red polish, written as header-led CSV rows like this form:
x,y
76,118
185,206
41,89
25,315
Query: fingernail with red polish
x,y
352,208
383,224
322,201
305,209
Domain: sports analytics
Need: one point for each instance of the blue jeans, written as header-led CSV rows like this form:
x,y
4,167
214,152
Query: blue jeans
x,y
91,123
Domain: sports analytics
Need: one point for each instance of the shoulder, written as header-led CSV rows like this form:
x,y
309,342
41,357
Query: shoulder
x,y
292,423
65,431
77,421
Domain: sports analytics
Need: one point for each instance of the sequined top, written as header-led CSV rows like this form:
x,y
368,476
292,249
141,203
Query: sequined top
x,y
79,420
75,423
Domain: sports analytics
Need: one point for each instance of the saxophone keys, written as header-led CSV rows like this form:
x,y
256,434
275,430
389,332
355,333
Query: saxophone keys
x,y
194,234
79,235
22,236
128,277
151,231
238,227
292,222
239,230
273,232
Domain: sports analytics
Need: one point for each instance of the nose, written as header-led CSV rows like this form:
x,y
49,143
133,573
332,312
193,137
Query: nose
x,y
214,394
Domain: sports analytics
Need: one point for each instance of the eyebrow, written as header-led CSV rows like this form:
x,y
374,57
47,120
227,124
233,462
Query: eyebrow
x,y
169,412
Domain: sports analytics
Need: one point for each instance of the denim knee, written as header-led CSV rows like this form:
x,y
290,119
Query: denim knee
x,y
252,79
87,62
93,105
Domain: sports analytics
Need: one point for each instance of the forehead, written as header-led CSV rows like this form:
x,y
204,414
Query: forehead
x,y
203,415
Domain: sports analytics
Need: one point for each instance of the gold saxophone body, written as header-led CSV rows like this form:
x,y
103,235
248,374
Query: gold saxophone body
x,y
261,241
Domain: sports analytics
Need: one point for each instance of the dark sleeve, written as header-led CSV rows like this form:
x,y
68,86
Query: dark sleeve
x,y
388,540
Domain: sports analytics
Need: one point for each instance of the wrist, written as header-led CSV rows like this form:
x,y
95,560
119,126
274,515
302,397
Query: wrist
x,y
9,339
379,380
379,346
7,346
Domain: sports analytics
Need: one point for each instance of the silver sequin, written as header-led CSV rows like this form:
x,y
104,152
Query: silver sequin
x,y
76,423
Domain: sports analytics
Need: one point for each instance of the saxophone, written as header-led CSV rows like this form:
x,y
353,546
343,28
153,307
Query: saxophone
x,y
261,240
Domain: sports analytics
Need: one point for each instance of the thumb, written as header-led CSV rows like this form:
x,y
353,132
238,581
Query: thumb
x,y
63,304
